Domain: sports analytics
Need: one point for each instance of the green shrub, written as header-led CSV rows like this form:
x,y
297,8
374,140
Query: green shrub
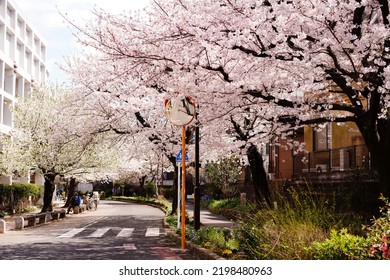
x,y
150,189
379,232
224,174
293,224
217,205
229,207
211,235
167,192
212,190
222,241
19,191
340,246
25,190
277,239
171,220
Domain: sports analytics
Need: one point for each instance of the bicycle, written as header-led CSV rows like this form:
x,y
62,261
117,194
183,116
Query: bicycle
x,y
91,204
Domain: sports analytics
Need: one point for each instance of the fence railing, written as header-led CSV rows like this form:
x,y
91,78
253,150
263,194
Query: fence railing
x,y
344,159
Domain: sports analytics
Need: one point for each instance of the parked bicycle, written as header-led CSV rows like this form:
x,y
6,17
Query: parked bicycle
x,y
91,204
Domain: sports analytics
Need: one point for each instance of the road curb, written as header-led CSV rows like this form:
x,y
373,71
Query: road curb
x,y
203,253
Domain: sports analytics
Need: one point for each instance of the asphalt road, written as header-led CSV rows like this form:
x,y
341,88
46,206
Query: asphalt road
x,y
115,231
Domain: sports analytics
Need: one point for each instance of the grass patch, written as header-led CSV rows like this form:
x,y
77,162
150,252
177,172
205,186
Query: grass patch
x,y
300,225
286,230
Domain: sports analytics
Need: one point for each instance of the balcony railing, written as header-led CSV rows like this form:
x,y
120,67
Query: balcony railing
x,y
344,159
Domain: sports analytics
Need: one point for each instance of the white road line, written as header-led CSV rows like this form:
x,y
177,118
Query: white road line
x,y
96,221
71,233
152,232
129,246
125,232
106,248
99,232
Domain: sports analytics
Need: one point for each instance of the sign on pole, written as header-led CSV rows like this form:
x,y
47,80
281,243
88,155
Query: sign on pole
x,y
179,157
181,111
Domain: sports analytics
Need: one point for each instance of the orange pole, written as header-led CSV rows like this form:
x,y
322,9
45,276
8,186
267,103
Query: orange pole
x,y
183,189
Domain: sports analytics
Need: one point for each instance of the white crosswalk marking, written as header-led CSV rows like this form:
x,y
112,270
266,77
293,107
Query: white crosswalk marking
x,y
99,232
125,232
72,233
152,232
129,246
118,232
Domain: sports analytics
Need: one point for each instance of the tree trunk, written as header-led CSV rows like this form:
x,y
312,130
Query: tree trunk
x,y
384,175
259,175
142,181
11,202
72,186
48,192
380,159
377,139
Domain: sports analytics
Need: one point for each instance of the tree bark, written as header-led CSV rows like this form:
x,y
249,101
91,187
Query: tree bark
x,y
259,175
376,135
11,202
380,153
142,181
383,170
48,192
72,186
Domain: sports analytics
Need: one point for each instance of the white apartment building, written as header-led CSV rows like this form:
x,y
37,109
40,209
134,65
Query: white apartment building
x,y
22,61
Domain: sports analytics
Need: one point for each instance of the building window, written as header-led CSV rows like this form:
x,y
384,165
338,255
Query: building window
x,y
320,137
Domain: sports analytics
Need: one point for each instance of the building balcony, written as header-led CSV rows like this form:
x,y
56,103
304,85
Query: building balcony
x,y
333,163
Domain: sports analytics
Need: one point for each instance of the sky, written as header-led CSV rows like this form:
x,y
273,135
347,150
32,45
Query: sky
x,y
45,16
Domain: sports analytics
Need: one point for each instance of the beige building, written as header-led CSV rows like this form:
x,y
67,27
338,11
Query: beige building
x,y
22,61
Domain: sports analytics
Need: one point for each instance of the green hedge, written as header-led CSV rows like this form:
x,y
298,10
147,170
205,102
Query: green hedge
x,y
19,191
341,245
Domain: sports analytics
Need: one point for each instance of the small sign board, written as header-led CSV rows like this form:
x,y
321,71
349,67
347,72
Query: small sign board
x,y
179,157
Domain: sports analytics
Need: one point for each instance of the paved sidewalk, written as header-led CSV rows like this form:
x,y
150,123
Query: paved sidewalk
x,y
10,220
209,219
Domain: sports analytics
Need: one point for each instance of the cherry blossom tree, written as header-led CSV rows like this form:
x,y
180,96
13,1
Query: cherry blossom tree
x,y
123,103
282,63
49,139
